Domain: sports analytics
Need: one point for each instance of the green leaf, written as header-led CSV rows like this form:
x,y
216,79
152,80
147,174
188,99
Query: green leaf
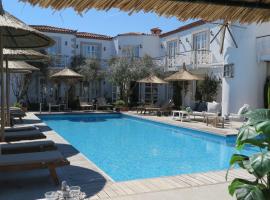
x,y
238,158
258,115
260,163
245,133
263,127
246,190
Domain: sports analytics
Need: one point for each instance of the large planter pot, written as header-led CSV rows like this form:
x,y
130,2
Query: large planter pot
x,y
24,109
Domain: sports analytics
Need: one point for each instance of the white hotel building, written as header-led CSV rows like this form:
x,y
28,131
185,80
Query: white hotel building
x,y
242,69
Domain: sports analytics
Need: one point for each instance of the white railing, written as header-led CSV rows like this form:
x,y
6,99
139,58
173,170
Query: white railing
x,y
194,59
263,48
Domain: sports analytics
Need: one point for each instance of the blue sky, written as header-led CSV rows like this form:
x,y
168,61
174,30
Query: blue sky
x,y
109,23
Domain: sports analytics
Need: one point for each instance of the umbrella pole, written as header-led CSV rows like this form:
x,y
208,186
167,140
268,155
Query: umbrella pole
x,y
2,87
7,92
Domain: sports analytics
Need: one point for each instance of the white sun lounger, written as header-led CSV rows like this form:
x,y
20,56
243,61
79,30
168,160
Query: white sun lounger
x,y
29,161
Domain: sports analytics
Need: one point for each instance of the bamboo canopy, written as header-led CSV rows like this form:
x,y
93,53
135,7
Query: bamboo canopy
x,y
15,66
244,11
67,74
152,79
25,55
183,75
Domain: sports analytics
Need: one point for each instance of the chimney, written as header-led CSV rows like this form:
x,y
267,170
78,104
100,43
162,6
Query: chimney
x,y
156,31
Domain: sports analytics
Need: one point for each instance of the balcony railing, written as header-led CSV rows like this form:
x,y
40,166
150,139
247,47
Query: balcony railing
x,y
263,48
195,59
60,61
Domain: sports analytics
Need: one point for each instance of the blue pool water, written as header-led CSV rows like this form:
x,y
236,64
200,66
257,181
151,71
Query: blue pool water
x,y
128,148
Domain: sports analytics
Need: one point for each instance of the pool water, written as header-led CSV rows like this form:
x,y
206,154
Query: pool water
x,y
128,148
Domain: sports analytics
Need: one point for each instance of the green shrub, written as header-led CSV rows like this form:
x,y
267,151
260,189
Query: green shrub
x,y
18,105
119,103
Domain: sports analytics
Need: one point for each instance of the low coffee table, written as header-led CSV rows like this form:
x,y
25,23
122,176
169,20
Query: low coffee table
x,y
215,121
180,115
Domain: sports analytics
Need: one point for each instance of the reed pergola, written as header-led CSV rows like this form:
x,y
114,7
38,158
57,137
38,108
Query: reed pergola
x,y
244,11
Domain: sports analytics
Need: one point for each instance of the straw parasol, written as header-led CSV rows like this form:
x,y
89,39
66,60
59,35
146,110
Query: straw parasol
x,y
152,79
244,11
68,76
14,34
183,75
19,67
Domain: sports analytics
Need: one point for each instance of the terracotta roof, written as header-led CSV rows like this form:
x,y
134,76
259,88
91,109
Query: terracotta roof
x,y
93,36
52,29
184,28
133,34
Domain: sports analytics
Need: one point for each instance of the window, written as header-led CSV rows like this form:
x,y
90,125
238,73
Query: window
x,y
172,48
66,43
91,50
228,71
201,47
56,48
131,51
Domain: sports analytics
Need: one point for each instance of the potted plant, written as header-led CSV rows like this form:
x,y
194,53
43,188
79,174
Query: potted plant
x,y
120,105
254,133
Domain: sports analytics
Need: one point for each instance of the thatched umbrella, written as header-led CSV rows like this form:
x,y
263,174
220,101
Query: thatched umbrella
x,y
152,79
67,75
15,67
14,34
19,67
244,11
183,75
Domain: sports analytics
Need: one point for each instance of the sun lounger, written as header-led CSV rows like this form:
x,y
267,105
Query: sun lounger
x,y
23,135
27,147
85,106
29,161
101,104
20,128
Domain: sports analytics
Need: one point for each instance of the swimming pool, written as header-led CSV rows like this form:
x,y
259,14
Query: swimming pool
x,y
128,148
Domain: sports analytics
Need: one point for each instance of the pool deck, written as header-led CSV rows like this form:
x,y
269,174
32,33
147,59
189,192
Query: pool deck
x,y
97,185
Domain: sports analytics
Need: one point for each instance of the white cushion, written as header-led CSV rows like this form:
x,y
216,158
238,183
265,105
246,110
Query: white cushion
x,y
213,107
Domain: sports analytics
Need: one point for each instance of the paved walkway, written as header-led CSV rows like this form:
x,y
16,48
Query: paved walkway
x,y
97,185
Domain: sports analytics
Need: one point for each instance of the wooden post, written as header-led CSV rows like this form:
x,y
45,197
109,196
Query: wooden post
x,y
7,92
2,130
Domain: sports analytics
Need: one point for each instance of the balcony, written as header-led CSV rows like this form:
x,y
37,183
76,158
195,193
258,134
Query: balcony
x,y
263,48
60,61
193,59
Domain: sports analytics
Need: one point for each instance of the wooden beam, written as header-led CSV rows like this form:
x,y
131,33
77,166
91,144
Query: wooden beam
x,y
236,3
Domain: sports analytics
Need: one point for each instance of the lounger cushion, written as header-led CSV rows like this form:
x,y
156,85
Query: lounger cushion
x,y
20,135
20,128
213,107
30,158
35,144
